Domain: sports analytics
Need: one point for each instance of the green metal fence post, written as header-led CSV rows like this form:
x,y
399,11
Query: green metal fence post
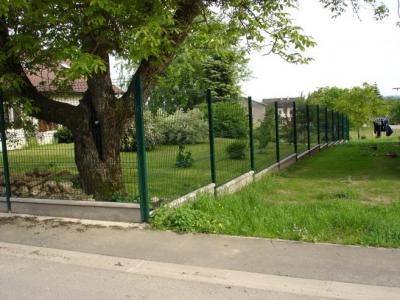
x,y
295,127
326,125
251,141
308,126
211,138
318,128
5,154
278,155
342,121
337,126
333,126
141,151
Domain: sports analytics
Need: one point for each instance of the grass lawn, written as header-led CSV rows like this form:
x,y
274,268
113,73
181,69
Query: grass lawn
x,y
349,194
166,181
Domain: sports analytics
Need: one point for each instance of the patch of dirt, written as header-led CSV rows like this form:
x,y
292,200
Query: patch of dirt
x,y
392,155
30,222
284,192
381,199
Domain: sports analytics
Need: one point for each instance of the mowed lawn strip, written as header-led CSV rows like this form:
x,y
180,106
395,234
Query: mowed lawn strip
x,y
348,195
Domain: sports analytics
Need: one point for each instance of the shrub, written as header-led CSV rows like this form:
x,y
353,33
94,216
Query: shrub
x,y
237,150
152,134
63,135
184,158
230,120
183,127
183,219
266,131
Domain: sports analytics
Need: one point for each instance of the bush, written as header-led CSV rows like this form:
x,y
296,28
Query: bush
x,y
237,150
152,134
183,127
63,135
265,133
230,120
183,219
184,158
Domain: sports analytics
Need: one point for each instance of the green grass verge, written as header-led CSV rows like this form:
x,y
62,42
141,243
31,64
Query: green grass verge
x,y
348,194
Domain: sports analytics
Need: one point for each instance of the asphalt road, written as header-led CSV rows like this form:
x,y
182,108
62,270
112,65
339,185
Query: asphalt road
x,y
64,260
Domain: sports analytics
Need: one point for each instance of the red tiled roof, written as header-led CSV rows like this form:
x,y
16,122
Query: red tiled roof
x,y
43,81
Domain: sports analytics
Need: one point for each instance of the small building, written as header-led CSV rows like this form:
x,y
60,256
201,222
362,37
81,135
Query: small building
x,y
285,105
258,109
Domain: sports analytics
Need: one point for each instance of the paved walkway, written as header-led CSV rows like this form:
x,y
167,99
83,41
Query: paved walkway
x,y
202,266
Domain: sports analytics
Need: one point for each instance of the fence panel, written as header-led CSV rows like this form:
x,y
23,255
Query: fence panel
x,y
178,153
231,131
286,131
302,139
264,137
42,158
323,129
313,125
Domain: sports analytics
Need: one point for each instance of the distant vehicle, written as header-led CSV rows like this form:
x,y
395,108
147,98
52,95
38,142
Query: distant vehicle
x,y
381,124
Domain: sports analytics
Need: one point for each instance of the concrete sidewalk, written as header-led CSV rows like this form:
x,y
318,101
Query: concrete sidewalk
x,y
323,262
37,273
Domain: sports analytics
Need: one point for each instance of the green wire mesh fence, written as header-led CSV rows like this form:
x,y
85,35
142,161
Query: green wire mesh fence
x,y
181,147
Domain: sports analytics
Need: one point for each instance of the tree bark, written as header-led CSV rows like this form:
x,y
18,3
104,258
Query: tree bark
x,y
97,136
100,175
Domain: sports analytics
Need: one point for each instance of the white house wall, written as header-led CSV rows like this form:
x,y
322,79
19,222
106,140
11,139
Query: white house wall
x,y
15,139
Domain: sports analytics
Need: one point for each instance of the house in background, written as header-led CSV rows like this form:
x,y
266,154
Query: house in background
x,y
285,105
258,110
44,83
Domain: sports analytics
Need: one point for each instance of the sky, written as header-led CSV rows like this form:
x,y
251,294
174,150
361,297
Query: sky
x,y
349,52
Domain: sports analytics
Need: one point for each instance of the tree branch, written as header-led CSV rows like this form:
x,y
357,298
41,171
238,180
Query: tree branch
x,y
46,109
149,69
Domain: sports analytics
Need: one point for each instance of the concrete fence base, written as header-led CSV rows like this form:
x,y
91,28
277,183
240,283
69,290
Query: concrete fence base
x,y
288,161
303,155
92,210
270,170
314,149
208,189
235,184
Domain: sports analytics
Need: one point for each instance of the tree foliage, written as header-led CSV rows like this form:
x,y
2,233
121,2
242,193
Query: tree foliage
x,y
199,67
361,104
394,111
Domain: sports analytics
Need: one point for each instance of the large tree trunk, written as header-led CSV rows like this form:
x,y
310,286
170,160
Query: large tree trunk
x,y
99,171
97,136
